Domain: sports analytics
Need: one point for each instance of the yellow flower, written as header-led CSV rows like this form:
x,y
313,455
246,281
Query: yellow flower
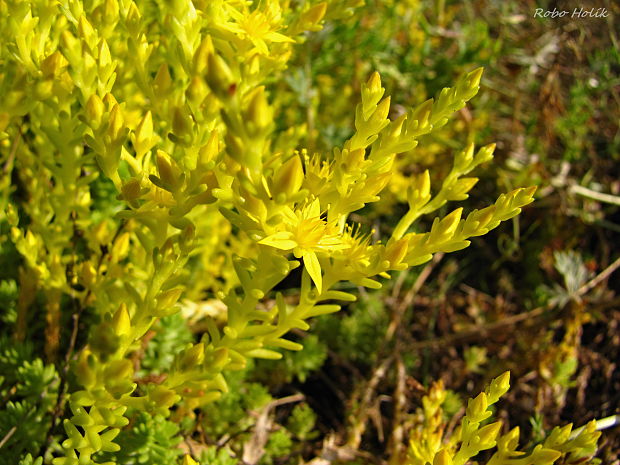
x,y
259,26
307,233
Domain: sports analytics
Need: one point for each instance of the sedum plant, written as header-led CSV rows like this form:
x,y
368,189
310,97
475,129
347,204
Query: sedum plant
x,y
149,168
429,445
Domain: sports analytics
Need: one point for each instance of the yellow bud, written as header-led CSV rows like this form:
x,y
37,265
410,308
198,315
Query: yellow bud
x,y
120,248
131,190
476,407
542,456
395,251
43,89
442,458
110,11
119,370
509,442
289,178
485,153
193,356
210,150
197,90
116,125
105,59
220,358
311,18
354,159
374,83
71,46
419,119
162,82
258,113
235,147
94,111
133,20
201,56
166,301
499,386
86,32
255,206
144,140
220,77
54,64
488,434
88,274
473,78
84,373
121,322
169,173
181,124
163,397
448,225
110,101
379,116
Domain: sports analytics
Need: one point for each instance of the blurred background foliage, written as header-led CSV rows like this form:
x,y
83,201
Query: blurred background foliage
x,y
538,297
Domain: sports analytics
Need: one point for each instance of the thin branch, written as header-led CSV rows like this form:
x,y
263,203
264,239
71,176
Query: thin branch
x,y
599,278
594,195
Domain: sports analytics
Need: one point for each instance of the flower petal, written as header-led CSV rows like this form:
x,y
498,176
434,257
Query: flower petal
x,y
280,240
313,266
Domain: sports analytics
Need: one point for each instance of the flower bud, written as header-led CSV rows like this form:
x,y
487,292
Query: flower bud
x,y
144,138
485,154
119,370
196,91
396,251
109,101
121,322
116,128
163,396
120,248
88,274
473,79
259,114
163,81
201,56
94,111
499,386
442,458
84,373
110,11
289,178
476,408
181,124
488,434
54,64
220,77
371,94
86,32
378,118
133,20
210,150
310,19
131,191
168,170
166,301
193,357
105,59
